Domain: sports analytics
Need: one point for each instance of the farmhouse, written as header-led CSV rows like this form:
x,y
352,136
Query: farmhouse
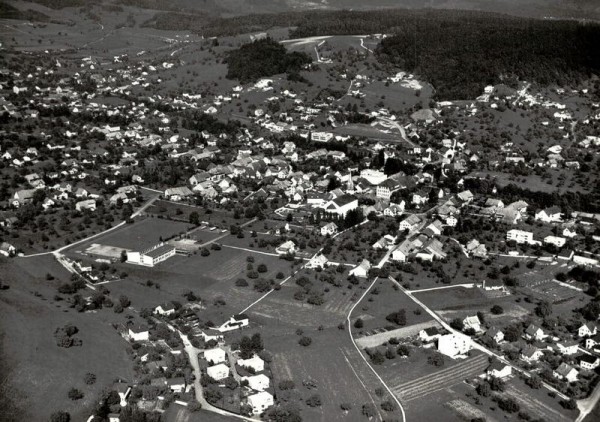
x,y
568,347
234,323
165,309
429,334
454,345
152,256
472,322
495,334
361,270
139,332
260,402
218,372
177,194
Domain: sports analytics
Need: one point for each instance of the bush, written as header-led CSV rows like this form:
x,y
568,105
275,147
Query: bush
x,y
204,252
497,310
262,268
314,401
89,378
240,282
75,394
436,360
305,341
388,406
509,405
60,416
359,323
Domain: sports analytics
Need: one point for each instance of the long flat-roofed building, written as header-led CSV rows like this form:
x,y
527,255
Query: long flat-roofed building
x,y
152,256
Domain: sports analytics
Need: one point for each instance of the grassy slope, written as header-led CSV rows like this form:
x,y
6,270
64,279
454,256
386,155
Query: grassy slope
x,y
42,372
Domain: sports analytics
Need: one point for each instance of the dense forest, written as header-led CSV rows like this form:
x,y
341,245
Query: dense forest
x,y
459,52
460,57
262,58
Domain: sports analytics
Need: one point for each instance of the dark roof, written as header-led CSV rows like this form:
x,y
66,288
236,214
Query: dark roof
x,y
161,250
344,200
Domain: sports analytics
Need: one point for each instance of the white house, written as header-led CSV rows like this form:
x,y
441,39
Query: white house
x,y
361,270
165,309
472,322
258,382
549,215
533,332
139,332
218,372
260,402
454,345
318,261
234,323
286,248
495,334
588,329
429,334
176,385
567,347
410,223
531,354
498,369
215,356
566,372
329,229
255,363
589,362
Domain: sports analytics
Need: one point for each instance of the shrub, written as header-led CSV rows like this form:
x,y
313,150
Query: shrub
x,y
240,282
314,401
89,378
305,341
75,394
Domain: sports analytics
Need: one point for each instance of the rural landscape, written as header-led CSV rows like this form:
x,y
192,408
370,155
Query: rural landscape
x,y
285,211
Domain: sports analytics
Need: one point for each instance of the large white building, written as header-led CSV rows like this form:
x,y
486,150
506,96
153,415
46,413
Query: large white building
x,y
519,236
454,345
341,205
557,241
151,257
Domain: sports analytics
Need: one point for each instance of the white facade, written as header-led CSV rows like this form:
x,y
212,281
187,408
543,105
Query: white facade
x,y
519,236
215,356
218,372
454,345
260,402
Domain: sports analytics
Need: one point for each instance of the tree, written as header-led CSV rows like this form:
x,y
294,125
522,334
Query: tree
x,y
75,394
457,324
399,318
305,341
436,359
195,218
262,268
534,382
483,389
89,378
314,401
543,309
403,350
509,405
368,410
497,310
358,323
60,416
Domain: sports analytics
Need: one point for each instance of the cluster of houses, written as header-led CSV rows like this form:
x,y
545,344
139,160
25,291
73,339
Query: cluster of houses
x,y
580,354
